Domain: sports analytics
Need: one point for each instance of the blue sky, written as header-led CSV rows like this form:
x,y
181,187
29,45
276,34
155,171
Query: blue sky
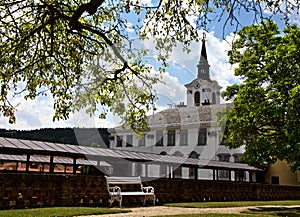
x,y
38,114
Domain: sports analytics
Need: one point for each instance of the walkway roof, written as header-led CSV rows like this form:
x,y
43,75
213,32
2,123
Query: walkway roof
x,y
10,148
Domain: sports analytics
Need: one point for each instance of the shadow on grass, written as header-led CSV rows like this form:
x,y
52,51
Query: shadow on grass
x,y
276,211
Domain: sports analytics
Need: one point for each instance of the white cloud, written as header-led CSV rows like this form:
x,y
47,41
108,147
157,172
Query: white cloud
x,y
295,18
169,91
36,114
129,27
147,2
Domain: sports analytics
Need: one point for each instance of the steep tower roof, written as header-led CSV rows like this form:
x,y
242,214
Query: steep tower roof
x,y
203,50
203,66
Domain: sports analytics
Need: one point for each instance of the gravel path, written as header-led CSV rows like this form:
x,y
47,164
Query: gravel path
x,y
164,210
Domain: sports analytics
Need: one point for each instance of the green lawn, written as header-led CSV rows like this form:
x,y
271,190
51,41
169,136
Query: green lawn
x,y
234,204
58,212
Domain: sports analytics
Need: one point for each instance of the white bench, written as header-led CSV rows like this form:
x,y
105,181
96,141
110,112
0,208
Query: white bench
x,y
115,192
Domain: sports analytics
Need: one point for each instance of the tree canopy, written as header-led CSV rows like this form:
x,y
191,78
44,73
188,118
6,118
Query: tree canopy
x,y
265,116
80,51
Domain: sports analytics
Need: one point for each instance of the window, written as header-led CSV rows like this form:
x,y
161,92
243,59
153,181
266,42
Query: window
x,y
239,175
237,158
171,137
224,158
159,138
197,98
202,136
183,137
129,140
177,171
142,141
194,155
214,99
275,180
223,142
119,141
163,171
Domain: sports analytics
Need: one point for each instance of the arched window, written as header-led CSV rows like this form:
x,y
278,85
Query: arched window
x,y
214,98
197,98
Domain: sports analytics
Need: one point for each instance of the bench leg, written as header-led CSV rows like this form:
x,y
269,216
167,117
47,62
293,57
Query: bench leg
x,y
110,202
120,201
149,197
117,198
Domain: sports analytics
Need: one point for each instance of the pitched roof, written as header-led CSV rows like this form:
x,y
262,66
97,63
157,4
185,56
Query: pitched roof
x,y
187,115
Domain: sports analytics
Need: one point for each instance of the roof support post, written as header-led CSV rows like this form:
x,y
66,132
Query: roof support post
x,y
214,174
196,173
51,169
250,176
229,175
146,170
236,175
27,162
74,165
170,171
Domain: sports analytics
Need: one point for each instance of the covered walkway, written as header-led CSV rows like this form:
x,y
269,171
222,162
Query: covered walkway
x,y
72,156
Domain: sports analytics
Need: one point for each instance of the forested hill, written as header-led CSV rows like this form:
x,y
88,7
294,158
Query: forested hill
x,y
97,137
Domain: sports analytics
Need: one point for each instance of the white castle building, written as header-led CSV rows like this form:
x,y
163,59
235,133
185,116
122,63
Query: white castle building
x,y
187,130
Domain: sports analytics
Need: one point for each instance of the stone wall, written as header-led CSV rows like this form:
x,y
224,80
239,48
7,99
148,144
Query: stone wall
x,y
181,190
18,190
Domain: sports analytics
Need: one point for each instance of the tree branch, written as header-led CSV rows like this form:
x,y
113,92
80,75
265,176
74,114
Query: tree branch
x,y
90,7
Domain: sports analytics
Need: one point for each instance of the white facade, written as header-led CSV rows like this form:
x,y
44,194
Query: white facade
x,y
188,130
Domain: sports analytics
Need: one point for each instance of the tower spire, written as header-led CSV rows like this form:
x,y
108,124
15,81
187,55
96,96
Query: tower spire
x,y
203,50
203,66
